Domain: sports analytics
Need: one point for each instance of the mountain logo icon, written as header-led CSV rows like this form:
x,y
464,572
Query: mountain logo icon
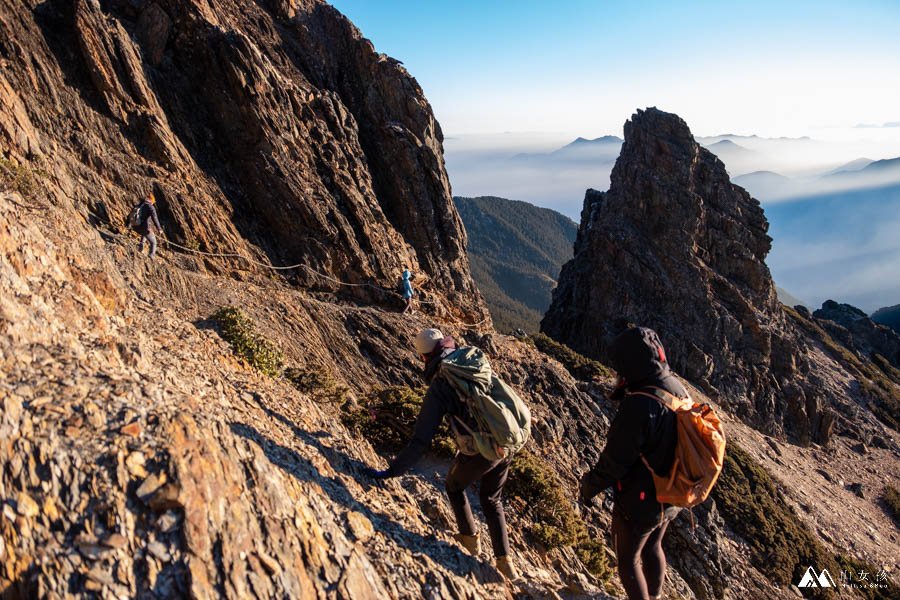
x,y
811,580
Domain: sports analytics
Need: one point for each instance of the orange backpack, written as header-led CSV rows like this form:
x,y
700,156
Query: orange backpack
x,y
699,451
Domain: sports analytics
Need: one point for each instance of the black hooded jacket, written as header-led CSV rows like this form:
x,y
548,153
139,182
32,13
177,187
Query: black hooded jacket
x,y
148,220
642,427
440,399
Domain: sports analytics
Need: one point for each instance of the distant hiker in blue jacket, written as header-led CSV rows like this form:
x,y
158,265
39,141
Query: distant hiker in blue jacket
x,y
407,290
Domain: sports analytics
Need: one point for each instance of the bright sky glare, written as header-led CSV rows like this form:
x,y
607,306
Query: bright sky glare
x,y
773,68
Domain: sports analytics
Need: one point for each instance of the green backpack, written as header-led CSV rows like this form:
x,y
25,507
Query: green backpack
x,y
503,421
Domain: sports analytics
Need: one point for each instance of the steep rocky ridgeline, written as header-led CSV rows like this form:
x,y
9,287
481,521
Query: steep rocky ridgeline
x,y
854,329
141,458
674,245
149,450
269,129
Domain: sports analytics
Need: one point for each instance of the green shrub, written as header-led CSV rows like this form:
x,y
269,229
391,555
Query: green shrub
x,y
318,383
538,491
868,587
387,418
20,178
580,366
237,329
887,368
780,543
892,500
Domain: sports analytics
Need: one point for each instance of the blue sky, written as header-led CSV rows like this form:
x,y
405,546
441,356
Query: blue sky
x,y
771,68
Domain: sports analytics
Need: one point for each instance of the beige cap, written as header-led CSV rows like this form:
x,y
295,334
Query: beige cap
x,y
427,340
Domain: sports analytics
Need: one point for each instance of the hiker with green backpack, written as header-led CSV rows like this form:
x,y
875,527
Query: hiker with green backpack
x,y
663,453
489,421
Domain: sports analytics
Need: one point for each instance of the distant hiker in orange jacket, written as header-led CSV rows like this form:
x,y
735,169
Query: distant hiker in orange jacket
x,y
642,428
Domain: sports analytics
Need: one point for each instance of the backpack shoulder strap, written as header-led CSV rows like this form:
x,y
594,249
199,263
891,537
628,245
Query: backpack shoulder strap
x,y
664,397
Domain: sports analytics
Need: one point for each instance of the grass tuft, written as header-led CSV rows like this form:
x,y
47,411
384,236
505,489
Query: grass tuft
x,y
580,366
238,329
387,418
20,178
892,500
318,383
538,491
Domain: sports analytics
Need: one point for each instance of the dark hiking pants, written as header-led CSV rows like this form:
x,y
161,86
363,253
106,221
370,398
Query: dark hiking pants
x,y
465,471
150,238
642,563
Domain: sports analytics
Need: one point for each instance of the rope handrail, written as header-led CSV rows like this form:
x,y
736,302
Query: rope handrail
x,y
278,268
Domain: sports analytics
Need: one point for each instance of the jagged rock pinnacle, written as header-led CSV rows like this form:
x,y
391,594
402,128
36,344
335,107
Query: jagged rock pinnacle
x,y
676,246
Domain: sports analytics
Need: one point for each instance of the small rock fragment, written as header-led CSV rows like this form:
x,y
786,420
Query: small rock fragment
x,y
858,489
26,506
50,508
115,541
360,526
159,550
166,498
136,463
150,485
132,429
100,576
168,521
826,475
94,415
270,564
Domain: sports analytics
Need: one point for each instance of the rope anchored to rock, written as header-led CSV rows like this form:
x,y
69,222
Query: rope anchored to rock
x,y
277,268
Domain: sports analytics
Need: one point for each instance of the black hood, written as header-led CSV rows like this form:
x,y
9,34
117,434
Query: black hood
x,y
638,356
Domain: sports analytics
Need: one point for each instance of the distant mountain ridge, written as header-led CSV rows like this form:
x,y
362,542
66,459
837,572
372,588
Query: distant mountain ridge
x,y
605,139
787,298
889,315
516,251
853,165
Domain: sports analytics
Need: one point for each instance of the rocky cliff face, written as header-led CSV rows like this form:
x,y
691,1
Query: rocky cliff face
x,y
854,329
269,129
141,457
674,245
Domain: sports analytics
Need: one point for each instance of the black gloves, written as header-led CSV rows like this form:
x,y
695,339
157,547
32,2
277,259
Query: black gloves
x,y
376,474
590,487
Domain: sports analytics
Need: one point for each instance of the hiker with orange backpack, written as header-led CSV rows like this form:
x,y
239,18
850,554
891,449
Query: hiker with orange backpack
x,y
663,452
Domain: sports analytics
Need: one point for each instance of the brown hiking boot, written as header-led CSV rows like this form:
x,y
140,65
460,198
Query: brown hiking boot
x,y
469,542
506,566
